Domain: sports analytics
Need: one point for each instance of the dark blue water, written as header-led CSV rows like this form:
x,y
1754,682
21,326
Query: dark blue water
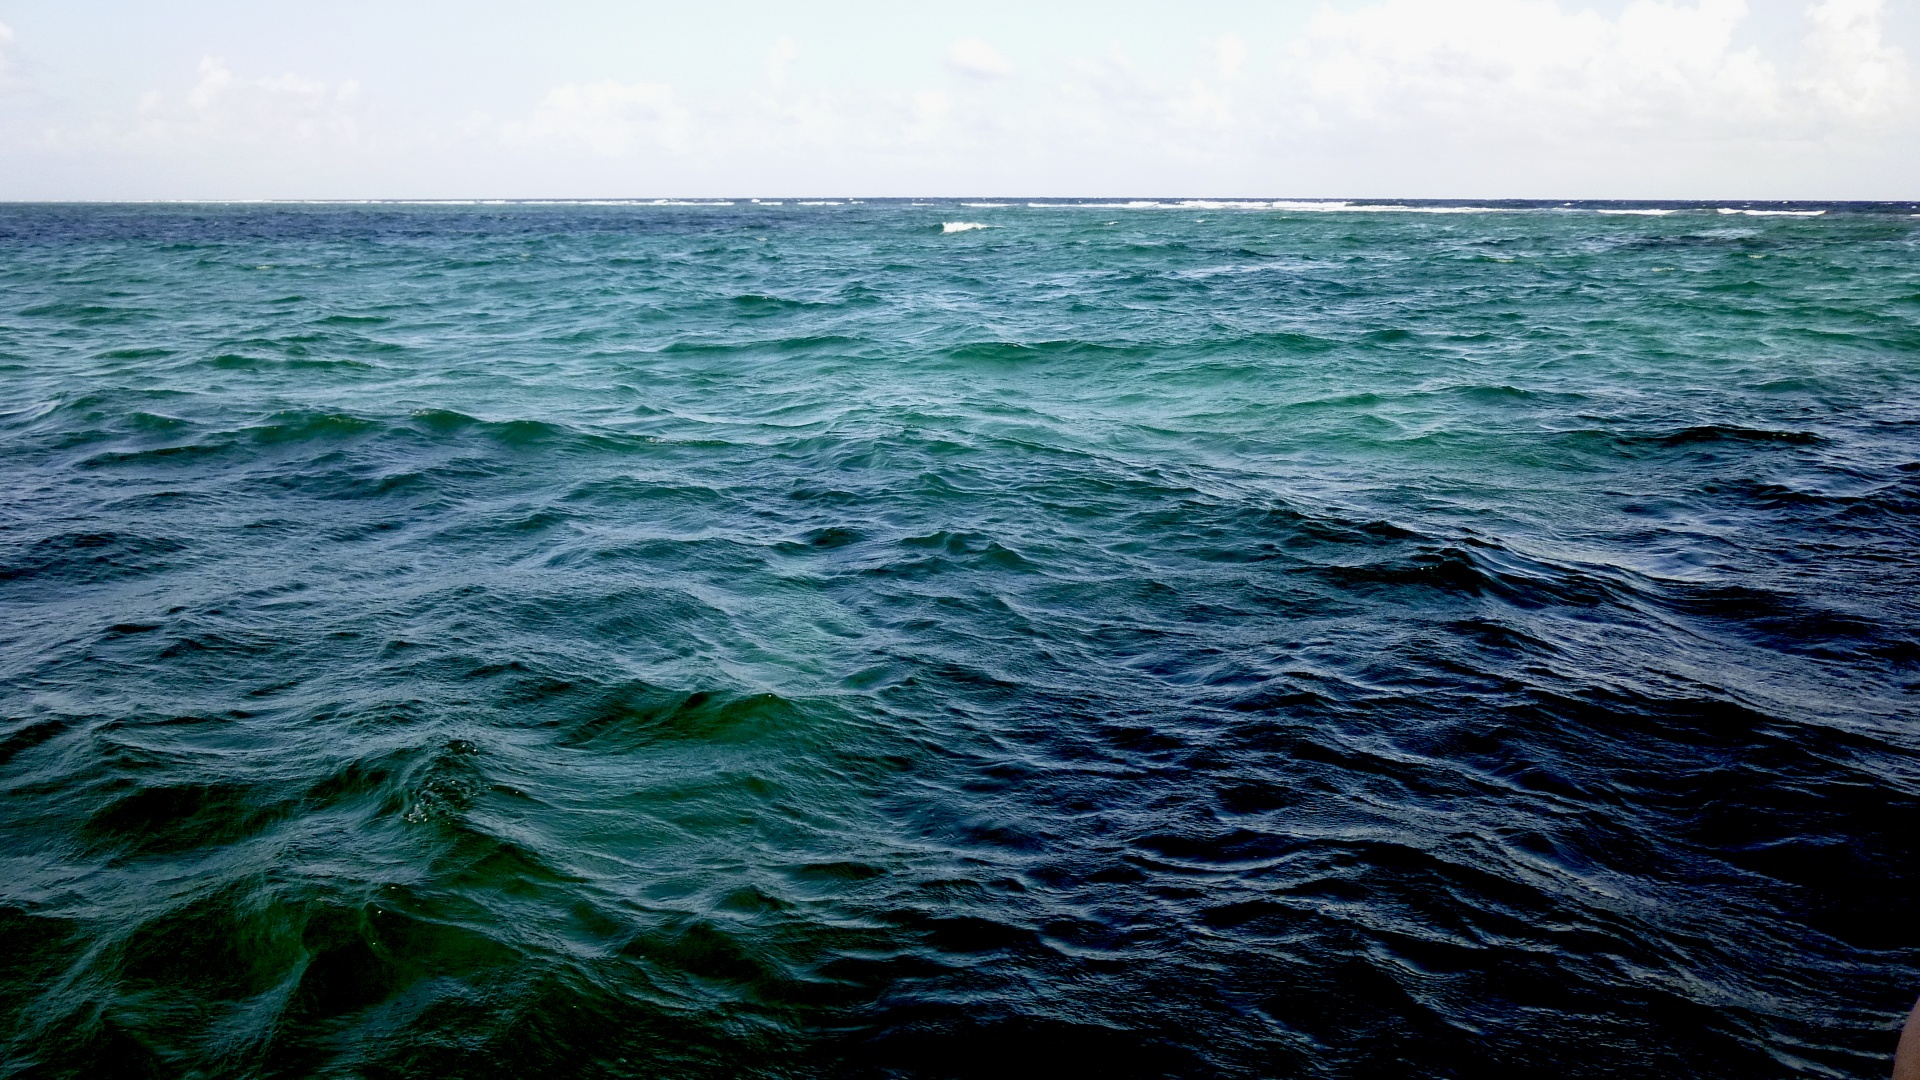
x,y
812,640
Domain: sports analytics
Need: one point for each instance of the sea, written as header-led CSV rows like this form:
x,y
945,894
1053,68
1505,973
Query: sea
x,y
959,638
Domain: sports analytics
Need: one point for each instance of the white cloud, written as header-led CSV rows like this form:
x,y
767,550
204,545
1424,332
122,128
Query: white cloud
x,y
1503,68
223,107
1395,91
1393,97
780,60
1852,69
6,38
1229,56
931,118
974,57
613,119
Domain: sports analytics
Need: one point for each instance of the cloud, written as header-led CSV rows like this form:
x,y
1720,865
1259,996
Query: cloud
x,y
6,38
977,59
224,107
1477,95
1644,98
1229,56
780,60
612,119
1853,70
1501,68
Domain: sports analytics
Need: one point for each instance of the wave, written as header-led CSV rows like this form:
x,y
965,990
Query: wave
x,y
1027,350
90,557
762,304
446,202
1699,436
1394,208
1729,210
1331,206
228,361
1713,433
963,226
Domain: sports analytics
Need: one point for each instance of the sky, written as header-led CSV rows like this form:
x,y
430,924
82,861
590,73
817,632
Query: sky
x,y
1630,99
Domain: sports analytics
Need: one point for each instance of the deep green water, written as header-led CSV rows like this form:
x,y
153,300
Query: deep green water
x,y
735,640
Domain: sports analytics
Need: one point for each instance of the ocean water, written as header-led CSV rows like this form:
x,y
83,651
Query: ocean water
x,y
1119,639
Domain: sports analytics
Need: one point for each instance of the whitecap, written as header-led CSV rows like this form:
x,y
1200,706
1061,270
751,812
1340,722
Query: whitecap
x,y
985,205
1636,213
1772,213
1137,204
962,226
1214,204
1292,205
1343,207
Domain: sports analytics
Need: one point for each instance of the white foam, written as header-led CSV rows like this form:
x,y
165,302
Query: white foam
x,y
1212,204
985,205
1773,213
1138,204
1636,213
962,226
818,202
439,202
1290,205
1389,208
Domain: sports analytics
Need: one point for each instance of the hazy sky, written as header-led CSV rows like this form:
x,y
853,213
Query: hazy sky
x,y
586,98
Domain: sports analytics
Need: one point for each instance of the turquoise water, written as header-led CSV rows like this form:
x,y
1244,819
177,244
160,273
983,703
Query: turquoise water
x,y
793,640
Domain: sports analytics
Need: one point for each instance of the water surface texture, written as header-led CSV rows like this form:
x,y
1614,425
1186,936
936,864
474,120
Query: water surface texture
x,y
799,640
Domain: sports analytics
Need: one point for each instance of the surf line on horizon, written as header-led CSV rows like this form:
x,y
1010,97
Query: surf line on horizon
x,y
1772,213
